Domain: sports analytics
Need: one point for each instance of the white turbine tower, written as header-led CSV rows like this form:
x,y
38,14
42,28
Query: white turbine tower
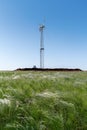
x,y
41,46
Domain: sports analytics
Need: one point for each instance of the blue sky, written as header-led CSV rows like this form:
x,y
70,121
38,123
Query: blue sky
x,y
65,35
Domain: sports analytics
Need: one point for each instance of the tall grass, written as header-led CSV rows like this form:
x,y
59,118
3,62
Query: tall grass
x,y
43,100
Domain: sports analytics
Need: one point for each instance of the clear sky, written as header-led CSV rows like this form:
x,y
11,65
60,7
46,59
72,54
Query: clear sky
x,y
65,35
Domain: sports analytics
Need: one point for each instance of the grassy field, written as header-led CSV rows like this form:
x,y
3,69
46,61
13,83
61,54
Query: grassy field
x,y
43,100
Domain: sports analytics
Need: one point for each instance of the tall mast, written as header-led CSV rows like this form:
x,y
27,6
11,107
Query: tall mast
x,y
41,46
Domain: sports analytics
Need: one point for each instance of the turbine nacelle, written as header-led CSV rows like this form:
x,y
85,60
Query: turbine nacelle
x,y
41,27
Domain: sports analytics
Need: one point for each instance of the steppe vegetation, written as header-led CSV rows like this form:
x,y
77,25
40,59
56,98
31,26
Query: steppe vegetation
x,y
43,100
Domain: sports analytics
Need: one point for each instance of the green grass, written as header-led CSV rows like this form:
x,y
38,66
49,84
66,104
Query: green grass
x,y
43,100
